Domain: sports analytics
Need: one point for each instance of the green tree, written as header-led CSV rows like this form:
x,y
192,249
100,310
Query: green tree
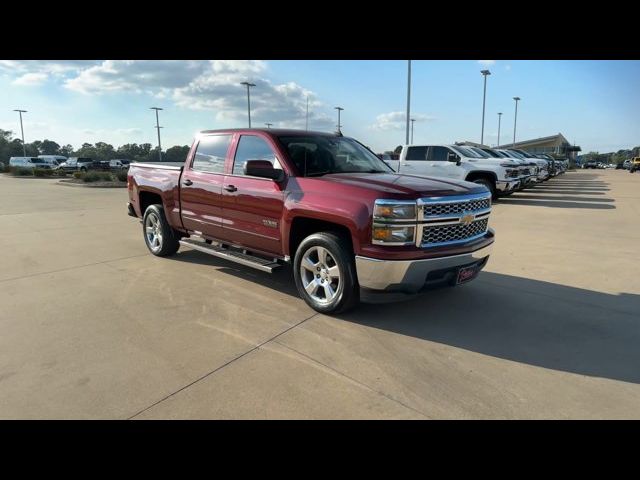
x,y
176,154
49,147
67,150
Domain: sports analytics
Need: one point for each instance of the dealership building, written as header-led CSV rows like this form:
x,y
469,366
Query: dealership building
x,y
556,145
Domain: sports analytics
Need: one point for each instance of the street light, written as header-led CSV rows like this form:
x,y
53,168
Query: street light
x,y
499,118
413,121
158,127
268,125
306,122
339,109
248,85
24,149
485,74
515,121
408,99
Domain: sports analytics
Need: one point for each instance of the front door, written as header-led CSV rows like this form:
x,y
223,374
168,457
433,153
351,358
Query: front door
x,y
440,165
415,162
253,206
201,186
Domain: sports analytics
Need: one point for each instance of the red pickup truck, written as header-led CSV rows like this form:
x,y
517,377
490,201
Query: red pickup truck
x,y
349,225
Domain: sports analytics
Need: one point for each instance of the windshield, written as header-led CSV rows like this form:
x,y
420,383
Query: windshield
x,y
465,152
37,160
319,155
492,153
514,154
481,152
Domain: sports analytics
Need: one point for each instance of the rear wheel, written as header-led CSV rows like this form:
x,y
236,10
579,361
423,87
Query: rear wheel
x,y
160,238
325,274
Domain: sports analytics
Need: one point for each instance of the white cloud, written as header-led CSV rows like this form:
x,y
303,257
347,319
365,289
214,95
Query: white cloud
x,y
398,120
30,79
55,67
197,85
487,63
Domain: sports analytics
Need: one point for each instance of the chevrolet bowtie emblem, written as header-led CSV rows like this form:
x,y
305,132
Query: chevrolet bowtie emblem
x,y
467,218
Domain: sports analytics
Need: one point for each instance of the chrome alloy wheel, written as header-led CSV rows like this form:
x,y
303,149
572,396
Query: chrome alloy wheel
x,y
320,275
153,232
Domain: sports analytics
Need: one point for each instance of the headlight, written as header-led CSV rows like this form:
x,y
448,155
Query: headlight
x,y
390,210
393,234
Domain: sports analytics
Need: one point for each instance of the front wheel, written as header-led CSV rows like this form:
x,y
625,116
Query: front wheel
x,y
489,184
158,234
325,274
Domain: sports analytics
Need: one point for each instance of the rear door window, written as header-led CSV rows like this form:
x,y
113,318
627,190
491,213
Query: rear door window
x,y
211,153
416,153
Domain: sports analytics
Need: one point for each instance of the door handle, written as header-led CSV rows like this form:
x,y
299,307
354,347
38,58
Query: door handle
x,y
230,188
187,182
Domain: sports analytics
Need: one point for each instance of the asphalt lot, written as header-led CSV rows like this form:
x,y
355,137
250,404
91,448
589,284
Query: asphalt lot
x,y
93,326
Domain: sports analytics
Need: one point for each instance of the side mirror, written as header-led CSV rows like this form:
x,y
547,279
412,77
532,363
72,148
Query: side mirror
x,y
263,169
453,157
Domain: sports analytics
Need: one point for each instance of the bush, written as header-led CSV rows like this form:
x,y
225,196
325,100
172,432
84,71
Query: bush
x,y
97,177
122,175
78,175
42,172
60,173
20,171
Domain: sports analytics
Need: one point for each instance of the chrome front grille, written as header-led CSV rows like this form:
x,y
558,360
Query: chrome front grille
x,y
450,220
437,209
441,234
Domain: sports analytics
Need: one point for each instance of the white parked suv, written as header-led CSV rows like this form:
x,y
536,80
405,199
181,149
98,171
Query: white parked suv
x,y
29,162
53,160
119,164
500,176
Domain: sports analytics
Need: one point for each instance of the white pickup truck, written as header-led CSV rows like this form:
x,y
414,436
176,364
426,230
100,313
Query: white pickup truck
x,y
500,176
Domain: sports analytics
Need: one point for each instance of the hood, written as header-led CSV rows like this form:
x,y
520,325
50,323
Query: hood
x,y
402,185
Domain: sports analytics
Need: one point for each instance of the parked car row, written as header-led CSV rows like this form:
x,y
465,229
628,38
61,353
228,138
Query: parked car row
x,y
71,164
502,171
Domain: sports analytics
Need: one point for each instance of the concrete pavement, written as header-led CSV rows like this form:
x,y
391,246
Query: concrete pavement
x,y
93,326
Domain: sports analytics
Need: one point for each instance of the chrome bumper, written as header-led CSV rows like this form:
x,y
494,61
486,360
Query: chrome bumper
x,y
409,275
503,186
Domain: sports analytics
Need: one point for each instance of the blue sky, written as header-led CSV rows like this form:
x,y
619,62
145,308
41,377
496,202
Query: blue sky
x,y
595,104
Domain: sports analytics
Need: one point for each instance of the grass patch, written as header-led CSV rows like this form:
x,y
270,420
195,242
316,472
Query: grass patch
x,y
122,175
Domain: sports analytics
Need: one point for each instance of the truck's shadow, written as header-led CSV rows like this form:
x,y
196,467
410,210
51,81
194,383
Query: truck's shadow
x,y
528,321
575,192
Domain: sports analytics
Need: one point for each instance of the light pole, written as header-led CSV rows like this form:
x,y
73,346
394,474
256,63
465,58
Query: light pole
x,y
158,127
24,149
499,118
408,99
339,109
485,74
248,85
306,122
413,121
268,125
515,121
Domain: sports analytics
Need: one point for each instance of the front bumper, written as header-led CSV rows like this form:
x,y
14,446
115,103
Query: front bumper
x,y
504,186
410,276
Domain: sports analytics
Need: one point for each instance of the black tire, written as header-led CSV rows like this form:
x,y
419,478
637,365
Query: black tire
x,y
167,243
207,241
491,186
340,254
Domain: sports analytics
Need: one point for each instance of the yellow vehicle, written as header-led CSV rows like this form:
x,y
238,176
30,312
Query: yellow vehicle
x,y
635,164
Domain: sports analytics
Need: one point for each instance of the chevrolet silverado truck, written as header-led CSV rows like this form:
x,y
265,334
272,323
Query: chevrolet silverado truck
x,y
350,227
500,177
